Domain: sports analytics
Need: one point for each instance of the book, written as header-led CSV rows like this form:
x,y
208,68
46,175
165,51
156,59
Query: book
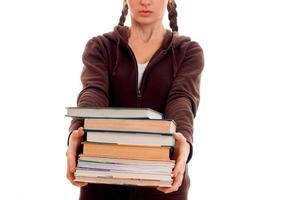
x,y
137,125
121,174
146,173
126,151
125,146
130,138
125,167
124,181
113,112
169,163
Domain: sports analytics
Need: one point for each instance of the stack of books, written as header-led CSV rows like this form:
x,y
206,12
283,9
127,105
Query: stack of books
x,y
128,146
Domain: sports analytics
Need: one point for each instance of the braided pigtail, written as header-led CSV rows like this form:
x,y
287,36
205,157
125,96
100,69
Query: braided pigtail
x,y
124,14
172,15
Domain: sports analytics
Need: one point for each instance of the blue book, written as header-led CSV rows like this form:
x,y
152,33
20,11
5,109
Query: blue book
x,y
130,138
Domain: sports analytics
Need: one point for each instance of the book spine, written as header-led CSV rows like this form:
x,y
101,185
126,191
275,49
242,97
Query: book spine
x,y
130,132
126,151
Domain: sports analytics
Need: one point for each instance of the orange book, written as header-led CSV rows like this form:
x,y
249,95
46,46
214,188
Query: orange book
x,y
126,151
138,125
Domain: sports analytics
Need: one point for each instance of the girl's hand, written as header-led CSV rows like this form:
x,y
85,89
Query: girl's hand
x,y
74,143
182,150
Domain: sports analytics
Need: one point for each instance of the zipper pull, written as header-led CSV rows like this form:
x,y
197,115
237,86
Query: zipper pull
x,y
139,99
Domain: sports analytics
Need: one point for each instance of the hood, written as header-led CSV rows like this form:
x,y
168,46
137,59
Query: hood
x,y
171,41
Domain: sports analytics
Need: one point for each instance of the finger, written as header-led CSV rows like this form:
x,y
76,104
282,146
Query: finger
x,y
71,159
79,184
162,189
176,185
80,131
182,148
178,180
75,140
179,166
181,143
77,134
179,137
71,178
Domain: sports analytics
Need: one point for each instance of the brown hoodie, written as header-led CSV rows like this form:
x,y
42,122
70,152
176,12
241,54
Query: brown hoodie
x,y
170,83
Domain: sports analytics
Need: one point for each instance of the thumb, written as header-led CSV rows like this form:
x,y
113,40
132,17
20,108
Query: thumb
x,y
79,133
76,136
75,140
179,137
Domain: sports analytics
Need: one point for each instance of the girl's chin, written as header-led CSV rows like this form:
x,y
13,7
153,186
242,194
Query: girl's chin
x,y
145,21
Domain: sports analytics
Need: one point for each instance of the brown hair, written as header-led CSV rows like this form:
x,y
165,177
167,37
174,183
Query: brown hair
x,y
171,9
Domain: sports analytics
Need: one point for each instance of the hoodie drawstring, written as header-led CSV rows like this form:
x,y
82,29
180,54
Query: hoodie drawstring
x,y
114,72
174,60
175,66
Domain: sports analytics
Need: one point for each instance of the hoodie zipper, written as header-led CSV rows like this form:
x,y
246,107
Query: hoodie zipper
x,y
158,53
138,92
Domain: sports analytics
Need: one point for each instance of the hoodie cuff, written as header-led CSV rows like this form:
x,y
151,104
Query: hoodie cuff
x,y
190,153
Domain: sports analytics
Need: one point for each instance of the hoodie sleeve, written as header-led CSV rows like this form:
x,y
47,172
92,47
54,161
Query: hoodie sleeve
x,y
94,78
184,96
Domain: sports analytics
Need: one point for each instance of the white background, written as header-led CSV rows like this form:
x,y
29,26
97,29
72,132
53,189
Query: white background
x,y
247,127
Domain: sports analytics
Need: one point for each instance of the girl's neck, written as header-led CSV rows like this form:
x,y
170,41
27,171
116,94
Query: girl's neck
x,y
146,33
